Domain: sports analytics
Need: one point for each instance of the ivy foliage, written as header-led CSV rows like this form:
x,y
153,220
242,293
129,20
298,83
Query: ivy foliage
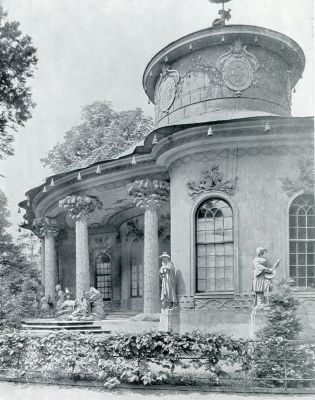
x,y
279,353
148,358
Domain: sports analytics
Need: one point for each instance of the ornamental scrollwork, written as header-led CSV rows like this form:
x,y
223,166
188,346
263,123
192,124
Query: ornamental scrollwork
x,y
304,181
149,193
211,181
45,227
237,67
134,229
166,88
80,206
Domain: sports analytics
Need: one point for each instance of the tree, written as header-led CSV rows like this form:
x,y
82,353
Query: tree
x,y
279,353
19,277
17,62
102,134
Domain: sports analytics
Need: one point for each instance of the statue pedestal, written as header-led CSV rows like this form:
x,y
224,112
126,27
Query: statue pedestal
x,y
170,320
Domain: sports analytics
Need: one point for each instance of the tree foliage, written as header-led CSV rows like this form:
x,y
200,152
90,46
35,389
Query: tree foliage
x,y
279,353
102,134
17,62
19,278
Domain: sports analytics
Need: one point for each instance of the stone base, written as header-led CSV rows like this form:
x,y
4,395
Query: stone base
x,y
170,320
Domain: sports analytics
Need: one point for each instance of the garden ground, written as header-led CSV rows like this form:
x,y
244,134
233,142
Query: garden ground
x,y
18,391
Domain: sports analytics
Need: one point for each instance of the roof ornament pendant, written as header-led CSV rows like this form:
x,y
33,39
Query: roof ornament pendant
x,y
225,15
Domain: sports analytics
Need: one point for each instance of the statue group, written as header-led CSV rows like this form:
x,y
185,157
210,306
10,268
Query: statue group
x,y
89,307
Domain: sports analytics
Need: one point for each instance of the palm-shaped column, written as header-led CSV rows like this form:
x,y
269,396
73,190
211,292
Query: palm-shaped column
x,y
47,229
80,208
150,195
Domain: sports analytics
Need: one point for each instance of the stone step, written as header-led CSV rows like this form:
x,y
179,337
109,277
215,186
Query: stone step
x,y
56,327
91,331
121,315
44,322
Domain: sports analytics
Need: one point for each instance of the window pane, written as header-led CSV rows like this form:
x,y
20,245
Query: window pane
x,y
301,233
301,220
301,282
311,282
228,284
311,233
202,272
311,259
229,248
220,284
201,261
301,259
201,286
311,271
301,247
292,259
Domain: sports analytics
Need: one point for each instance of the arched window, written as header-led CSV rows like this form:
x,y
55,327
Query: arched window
x,y
103,276
136,268
302,242
214,246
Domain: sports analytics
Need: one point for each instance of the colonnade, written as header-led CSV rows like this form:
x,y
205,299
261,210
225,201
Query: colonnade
x,y
147,194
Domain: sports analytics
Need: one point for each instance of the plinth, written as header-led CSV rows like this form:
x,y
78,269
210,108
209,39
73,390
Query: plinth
x,y
170,320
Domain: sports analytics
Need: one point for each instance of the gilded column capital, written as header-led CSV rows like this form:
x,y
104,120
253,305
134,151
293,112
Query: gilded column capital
x,y
80,207
149,193
45,227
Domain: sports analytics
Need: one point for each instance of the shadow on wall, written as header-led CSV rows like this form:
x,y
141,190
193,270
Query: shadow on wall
x,y
180,284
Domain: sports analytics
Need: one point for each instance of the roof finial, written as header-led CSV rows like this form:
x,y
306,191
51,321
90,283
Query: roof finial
x,y
224,15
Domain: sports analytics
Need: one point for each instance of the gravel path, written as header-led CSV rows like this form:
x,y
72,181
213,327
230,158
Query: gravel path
x,y
17,391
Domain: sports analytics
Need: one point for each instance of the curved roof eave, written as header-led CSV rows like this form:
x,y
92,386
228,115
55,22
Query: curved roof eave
x,y
145,148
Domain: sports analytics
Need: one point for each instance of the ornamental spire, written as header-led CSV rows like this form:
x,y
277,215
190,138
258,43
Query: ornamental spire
x,y
224,14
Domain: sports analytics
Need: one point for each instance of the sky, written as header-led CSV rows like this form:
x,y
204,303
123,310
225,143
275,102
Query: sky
x,y
98,49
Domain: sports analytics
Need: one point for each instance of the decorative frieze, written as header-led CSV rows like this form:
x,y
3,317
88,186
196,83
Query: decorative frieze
x,y
149,193
211,181
80,206
45,226
239,302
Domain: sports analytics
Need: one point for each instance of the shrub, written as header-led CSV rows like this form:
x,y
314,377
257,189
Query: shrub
x,y
278,353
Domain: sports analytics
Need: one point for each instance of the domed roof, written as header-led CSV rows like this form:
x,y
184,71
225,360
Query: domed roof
x,y
234,70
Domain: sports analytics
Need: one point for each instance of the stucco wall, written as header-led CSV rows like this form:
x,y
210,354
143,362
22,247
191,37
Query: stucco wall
x,y
259,204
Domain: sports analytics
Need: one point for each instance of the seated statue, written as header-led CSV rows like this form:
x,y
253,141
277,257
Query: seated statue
x,y
45,311
97,306
60,297
81,308
66,308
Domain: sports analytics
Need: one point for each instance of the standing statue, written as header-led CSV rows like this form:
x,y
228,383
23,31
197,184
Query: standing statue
x,y
264,273
167,274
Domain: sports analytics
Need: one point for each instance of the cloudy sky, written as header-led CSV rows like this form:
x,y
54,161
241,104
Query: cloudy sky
x,y
97,49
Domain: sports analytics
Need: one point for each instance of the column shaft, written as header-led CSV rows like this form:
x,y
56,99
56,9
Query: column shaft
x,y
82,257
50,267
151,296
42,260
